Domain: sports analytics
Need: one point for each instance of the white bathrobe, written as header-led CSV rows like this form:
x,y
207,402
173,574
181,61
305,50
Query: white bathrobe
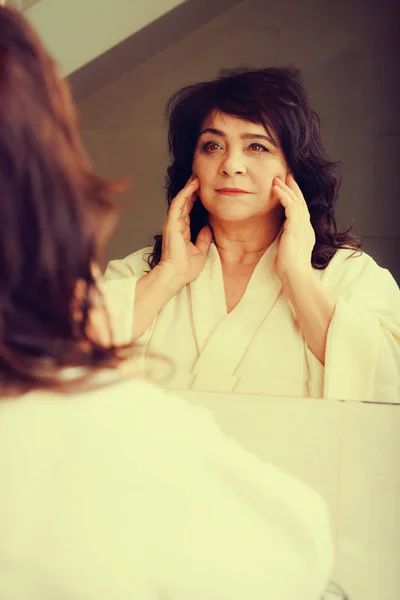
x,y
129,493
258,347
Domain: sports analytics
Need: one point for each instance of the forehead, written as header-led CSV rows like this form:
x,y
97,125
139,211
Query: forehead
x,y
232,125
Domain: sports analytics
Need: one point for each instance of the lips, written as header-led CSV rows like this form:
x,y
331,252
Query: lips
x,y
232,191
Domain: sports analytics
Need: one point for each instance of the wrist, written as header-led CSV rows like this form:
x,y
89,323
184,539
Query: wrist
x,y
168,278
297,276
297,280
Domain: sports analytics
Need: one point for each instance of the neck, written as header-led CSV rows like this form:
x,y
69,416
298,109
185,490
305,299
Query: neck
x,y
244,242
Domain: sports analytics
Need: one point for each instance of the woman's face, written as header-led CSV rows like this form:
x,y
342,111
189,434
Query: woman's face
x,y
236,162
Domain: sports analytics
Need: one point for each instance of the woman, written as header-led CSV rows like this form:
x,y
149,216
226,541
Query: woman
x,y
251,287
111,488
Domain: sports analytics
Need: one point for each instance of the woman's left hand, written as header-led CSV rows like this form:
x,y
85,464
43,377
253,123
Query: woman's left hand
x,y
298,237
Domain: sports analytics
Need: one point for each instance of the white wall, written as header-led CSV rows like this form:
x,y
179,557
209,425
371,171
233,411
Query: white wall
x,y
348,52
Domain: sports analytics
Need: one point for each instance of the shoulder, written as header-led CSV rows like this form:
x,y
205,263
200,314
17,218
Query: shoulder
x,y
134,264
134,407
351,263
357,273
128,414
354,261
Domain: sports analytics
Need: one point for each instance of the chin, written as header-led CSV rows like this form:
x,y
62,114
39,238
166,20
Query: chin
x,y
233,217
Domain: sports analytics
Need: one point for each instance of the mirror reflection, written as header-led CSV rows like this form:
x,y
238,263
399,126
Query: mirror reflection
x,y
252,287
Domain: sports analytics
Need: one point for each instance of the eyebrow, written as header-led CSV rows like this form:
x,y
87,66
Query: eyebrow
x,y
244,136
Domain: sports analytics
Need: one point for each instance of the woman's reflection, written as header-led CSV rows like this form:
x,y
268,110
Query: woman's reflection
x,y
251,287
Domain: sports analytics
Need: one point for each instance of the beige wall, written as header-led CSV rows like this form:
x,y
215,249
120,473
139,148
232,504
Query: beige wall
x,y
348,52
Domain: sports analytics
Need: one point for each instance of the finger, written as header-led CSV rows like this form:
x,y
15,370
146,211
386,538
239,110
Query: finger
x,y
290,213
284,197
186,197
188,206
285,188
291,209
297,198
294,186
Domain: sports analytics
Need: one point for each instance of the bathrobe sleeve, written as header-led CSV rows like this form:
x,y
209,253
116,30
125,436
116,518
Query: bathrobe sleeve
x,y
118,287
362,359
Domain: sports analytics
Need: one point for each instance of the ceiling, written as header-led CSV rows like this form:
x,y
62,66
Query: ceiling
x,y
95,42
28,3
78,31
21,4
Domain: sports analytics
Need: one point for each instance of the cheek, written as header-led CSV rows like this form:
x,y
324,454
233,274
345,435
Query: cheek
x,y
202,169
198,168
282,168
266,173
278,168
194,165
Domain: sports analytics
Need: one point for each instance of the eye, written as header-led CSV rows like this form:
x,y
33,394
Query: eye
x,y
258,148
211,147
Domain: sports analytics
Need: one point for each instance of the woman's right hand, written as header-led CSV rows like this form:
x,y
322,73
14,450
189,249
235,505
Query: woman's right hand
x,y
179,255
181,261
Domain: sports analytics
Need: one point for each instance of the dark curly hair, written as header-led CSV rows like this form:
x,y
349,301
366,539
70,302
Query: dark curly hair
x,y
276,99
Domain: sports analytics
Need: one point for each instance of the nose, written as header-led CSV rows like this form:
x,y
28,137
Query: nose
x,y
233,164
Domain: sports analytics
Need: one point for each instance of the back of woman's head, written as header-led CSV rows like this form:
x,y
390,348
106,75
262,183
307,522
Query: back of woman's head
x,y
276,99
51,209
